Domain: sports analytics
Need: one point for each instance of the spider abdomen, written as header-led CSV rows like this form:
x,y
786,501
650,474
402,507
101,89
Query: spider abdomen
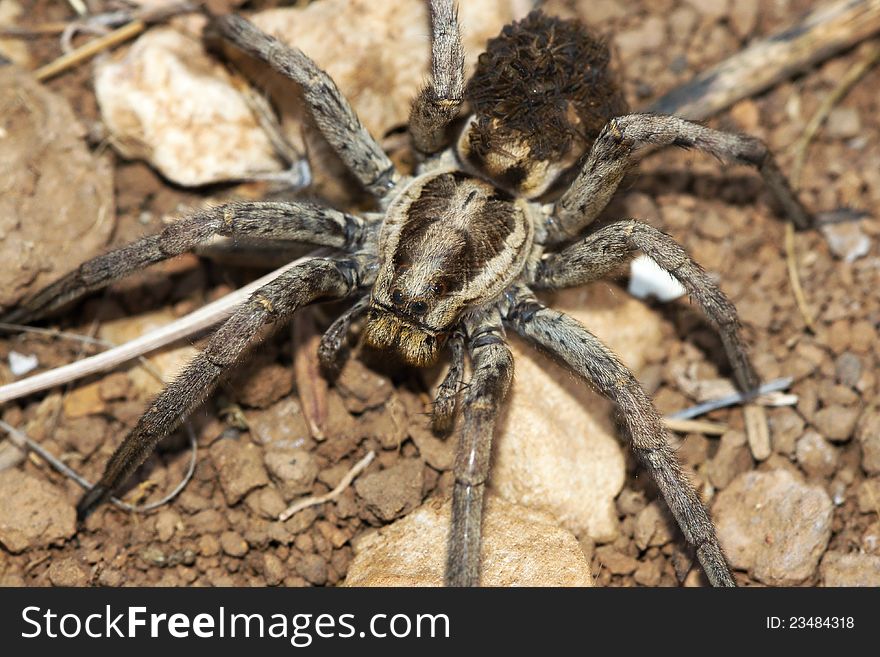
x,y
541,93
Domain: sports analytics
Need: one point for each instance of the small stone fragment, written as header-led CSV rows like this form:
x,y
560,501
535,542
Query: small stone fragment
x,y
283,421
393,492
209,545
848,369
743,17
84,400
773,525
262,385
115,386
240,466
732,458
266,502
616,562
273,569
67,572
786,426
233,544
854,569
521,547
815,455
843,123
313,568
40,515
362,388
647,574
868,435
846,240
293,470
648,35
654,526
21,364
868,496
167,522
836,422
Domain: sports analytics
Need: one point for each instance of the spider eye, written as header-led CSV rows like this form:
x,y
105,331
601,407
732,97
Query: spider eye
x,y
419,307
438,288
396,296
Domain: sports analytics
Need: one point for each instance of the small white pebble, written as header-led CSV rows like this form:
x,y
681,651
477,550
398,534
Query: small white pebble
x,y
21,364
646,278
847,241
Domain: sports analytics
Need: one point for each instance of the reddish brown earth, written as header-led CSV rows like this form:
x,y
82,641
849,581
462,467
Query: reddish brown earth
x,y
220,530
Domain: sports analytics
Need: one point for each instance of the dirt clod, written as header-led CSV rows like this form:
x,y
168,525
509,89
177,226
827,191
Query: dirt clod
x,y
50,179
393,492
841,569
240,466
521,547
41,516
773,525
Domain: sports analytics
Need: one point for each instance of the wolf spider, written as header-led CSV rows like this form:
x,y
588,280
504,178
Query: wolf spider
x,y
453,255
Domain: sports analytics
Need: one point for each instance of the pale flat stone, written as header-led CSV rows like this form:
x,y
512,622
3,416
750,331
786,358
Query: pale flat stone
x,y
521,547
773,525
168,102
556,447
56,203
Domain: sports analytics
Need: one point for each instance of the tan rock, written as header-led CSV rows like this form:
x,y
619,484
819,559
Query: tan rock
x,y
34,514
854,569
774,526
168,102
84,400
557,448
56,197
15,50
521,547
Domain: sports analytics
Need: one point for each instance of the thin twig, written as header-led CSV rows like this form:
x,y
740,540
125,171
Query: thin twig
x,y
855,73
32,31
90,49
333,494
828,29
186,326
310,385
795,279
87,339
23,441
694,426
730,400
850,78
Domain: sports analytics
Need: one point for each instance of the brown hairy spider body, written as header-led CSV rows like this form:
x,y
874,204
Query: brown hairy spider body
x,y
452,242
453,256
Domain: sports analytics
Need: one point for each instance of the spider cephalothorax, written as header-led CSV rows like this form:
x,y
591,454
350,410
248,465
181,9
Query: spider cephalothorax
x,y
450,242
451,260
